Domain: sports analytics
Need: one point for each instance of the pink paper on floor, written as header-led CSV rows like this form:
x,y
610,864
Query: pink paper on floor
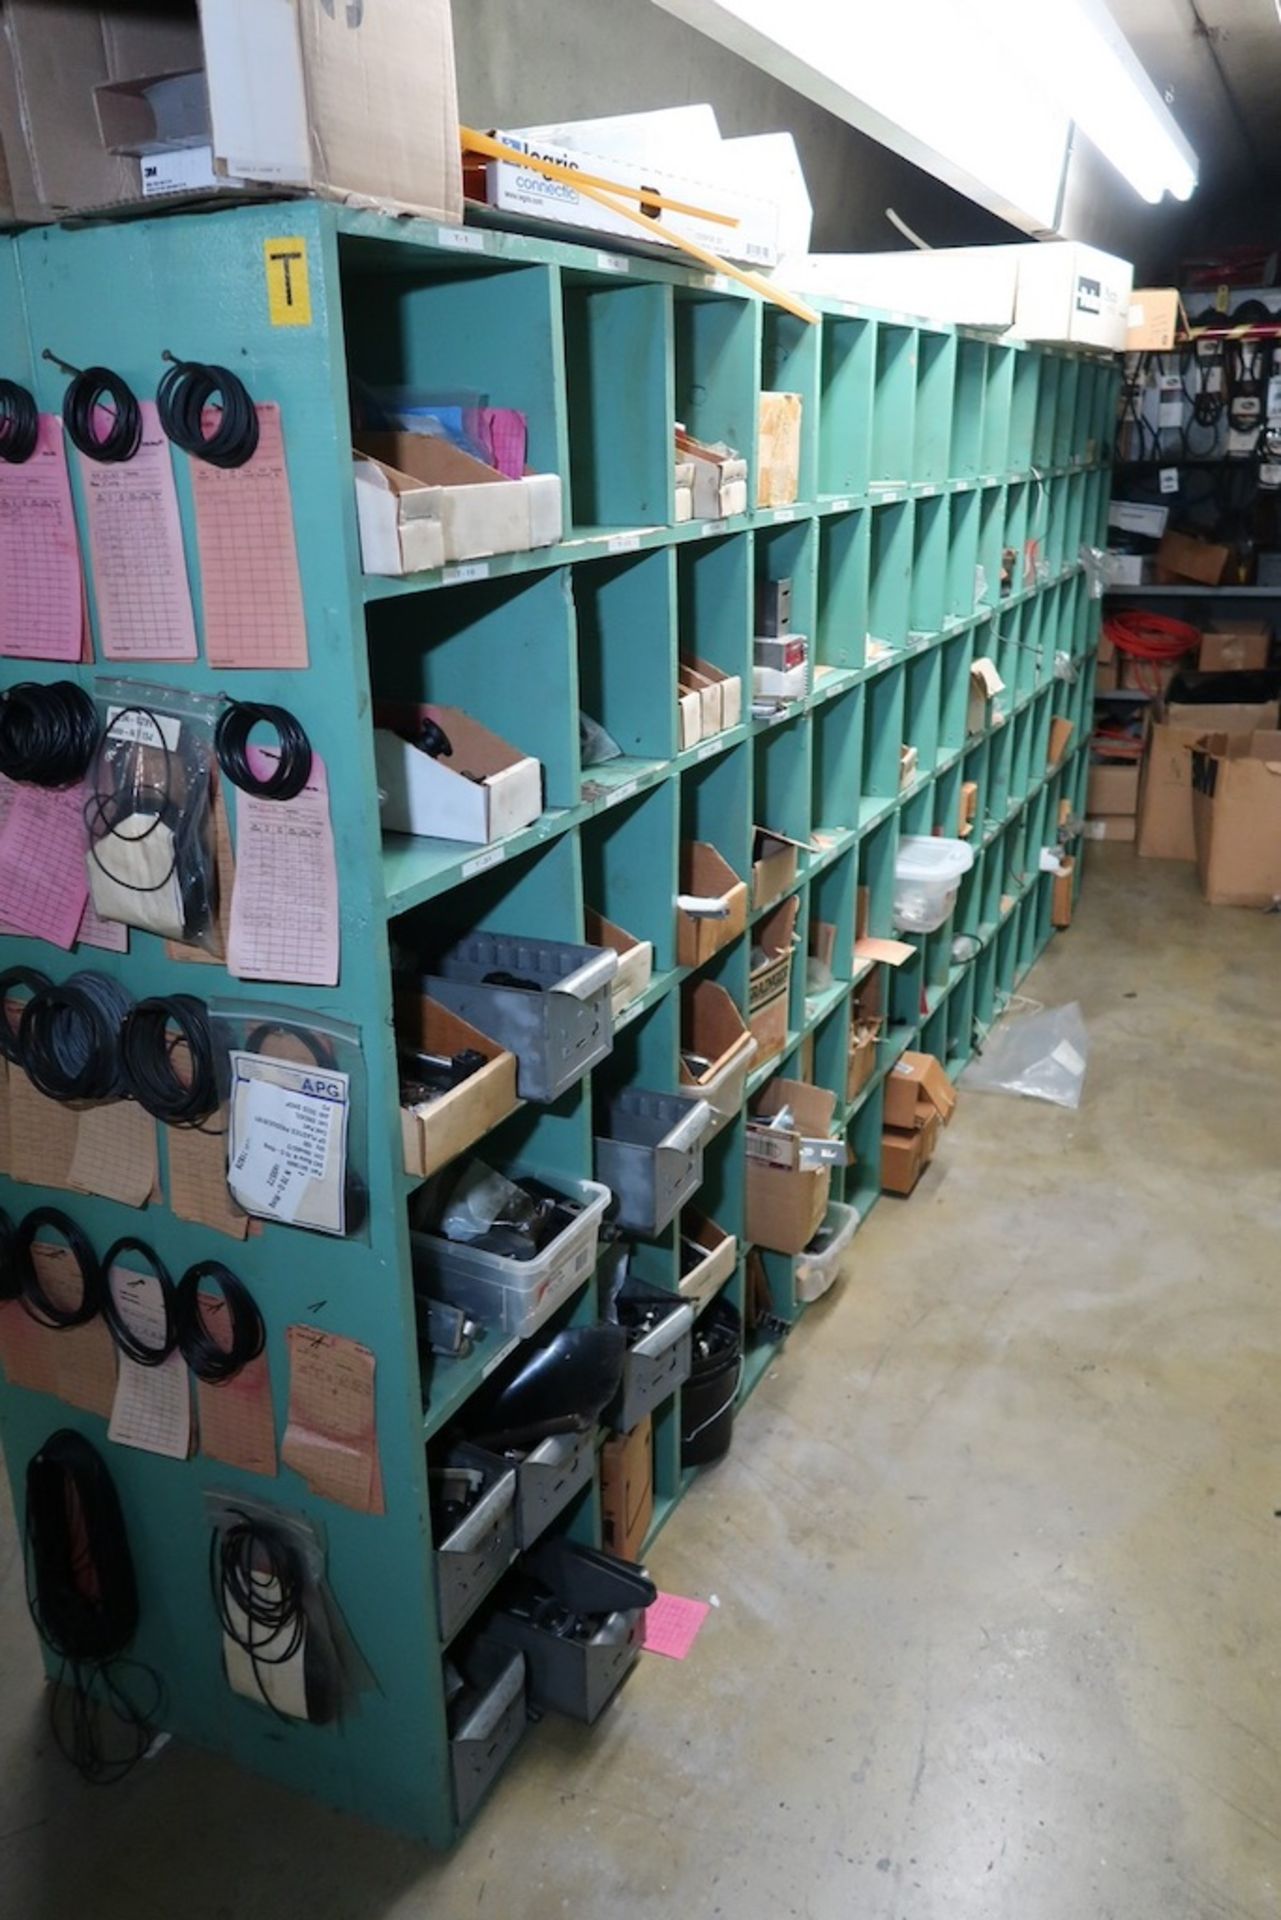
x,y
672,1624
135,545
284,909
250,585
42,602
44,881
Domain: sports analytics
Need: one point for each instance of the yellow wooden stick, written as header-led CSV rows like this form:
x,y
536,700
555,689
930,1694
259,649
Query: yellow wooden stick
x,y
485,143
756,281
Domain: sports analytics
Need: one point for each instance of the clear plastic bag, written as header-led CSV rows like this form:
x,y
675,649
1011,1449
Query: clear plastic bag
x,y
480,1200
1041,1055
149,816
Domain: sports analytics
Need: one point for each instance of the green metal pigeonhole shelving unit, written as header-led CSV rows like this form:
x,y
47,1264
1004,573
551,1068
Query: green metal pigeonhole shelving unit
x,y
925,454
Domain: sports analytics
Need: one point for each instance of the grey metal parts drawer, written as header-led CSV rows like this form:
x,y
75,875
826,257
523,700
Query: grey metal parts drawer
x,y
550,1004
650,1154
578,1678
483,1740
471,1558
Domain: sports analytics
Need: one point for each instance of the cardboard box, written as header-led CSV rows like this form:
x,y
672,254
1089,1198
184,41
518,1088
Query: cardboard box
x,y
1146,676
683,498
485,790
720,478
985,684
778,457
689,718
713,1029
1236,817
1139,516
434,1134
1113,787
690,680
1073,293
627,1489
117,105
706,876
769,984
731,687
861,1063
1107,677
786,1198
1165,829
908,761
1061,732
1181,557
904,1158
916,1086
968,809
405,478
1127,569
1111,826
1235,646
1063,892
775,864
1153,320
705,1279
635,959
637,150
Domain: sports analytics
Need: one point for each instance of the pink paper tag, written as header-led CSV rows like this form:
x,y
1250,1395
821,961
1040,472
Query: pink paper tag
x,y
135,544
252,592
284,906
672,1624
44,882
41,603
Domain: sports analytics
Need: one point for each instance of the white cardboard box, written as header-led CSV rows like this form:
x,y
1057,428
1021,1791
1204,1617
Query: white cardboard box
x,y
485,790
357,103
1139,516
720,478
479,510
1126,569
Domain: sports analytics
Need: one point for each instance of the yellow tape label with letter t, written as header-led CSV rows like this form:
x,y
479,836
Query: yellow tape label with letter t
x,y
288,287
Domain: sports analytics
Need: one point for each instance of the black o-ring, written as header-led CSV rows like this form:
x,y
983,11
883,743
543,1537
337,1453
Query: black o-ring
x,y
79,409
35,1300
19,423
210,1362
127,1341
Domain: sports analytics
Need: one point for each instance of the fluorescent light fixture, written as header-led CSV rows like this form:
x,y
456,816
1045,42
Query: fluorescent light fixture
x,y
981,93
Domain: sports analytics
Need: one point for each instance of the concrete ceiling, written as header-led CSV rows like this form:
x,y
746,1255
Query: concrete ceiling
x,y
1218,62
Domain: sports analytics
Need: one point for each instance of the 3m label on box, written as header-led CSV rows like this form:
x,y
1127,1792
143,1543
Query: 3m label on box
x,y
288,282
186,170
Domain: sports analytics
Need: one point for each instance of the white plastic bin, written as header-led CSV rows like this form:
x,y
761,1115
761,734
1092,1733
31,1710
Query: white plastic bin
x,y
927,879
815,1272
514,1295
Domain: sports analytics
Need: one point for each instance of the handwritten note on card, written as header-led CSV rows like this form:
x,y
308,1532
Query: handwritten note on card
x,y
152,1408
42,602
250,585
332,1435
44,882
135,546
284,911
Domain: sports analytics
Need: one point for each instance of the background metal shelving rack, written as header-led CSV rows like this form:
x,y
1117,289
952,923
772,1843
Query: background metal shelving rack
x,y
926,452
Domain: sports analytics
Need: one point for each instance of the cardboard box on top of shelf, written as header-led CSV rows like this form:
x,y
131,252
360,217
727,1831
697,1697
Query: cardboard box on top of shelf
x,y
1153,320
627,1489
117,105
1181,556
1165,829
1113,787
1236,817
1235,646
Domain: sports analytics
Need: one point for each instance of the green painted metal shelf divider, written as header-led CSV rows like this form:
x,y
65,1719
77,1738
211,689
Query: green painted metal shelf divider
x,y
926,454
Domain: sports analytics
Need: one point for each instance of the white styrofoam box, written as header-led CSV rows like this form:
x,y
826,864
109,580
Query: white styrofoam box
x,y
1126,569
965,286
1139,516
500,791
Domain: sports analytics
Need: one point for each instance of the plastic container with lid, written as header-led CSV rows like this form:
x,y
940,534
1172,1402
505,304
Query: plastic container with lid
x,y
927,879
818,1268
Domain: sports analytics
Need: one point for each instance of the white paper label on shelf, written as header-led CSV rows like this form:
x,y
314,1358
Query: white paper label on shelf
x,y
1169,479
465,239
926,493
624,543
711,528
459,576
492,857
613,263
150,729
841,506
287,1142
708,748
625,792
782,514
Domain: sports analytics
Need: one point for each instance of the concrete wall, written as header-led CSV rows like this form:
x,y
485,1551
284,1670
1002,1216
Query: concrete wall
x,y
526,62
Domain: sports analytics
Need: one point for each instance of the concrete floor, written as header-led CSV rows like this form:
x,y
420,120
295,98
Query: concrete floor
x,y
996,1554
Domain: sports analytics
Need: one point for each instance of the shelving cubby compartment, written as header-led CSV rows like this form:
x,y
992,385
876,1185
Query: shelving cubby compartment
x,y
918,450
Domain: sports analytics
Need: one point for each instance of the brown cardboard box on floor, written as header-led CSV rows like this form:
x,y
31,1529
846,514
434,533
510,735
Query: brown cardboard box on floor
x,y
905,1156
1165,794
1236,816
1113,787
916,1086
1061,893
1181,557
1235,646
627,1489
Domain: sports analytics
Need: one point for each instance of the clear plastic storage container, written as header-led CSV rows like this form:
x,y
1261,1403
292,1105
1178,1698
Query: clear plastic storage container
x,y
514,1295
816,1272
927,879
